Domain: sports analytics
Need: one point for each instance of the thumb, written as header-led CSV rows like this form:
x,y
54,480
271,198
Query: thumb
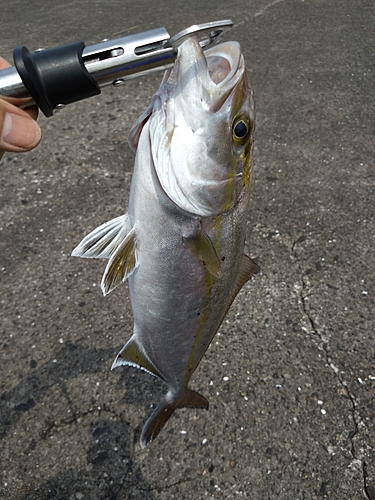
x,y
18,132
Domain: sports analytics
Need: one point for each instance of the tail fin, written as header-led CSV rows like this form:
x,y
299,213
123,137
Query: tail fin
x,y
187,399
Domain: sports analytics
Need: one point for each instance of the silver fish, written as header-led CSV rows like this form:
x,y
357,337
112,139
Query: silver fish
x,y
181,243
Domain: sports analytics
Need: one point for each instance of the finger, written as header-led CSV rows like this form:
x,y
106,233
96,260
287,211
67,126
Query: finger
x,y
18,131
3,63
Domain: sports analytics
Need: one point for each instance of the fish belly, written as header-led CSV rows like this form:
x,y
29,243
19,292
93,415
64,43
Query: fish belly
x,y
178,304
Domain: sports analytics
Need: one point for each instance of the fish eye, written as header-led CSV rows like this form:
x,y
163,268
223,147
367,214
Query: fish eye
x,y
241,129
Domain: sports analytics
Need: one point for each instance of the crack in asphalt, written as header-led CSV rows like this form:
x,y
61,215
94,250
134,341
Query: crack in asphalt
x,y
266,7
260,12
303,295
75,416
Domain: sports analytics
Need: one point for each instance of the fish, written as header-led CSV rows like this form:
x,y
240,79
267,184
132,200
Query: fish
x,y
181,243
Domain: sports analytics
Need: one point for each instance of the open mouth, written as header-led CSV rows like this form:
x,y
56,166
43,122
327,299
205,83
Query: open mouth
x,y
218,68
222,72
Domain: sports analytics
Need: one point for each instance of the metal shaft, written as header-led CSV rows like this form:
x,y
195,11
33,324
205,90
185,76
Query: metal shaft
x,y
109,62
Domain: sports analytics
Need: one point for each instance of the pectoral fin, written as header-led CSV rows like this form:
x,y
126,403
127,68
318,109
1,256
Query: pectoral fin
x,y
203,249
121,264
115,240
104,240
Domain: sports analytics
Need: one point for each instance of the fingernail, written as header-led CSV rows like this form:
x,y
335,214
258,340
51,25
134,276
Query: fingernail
x,y
20,133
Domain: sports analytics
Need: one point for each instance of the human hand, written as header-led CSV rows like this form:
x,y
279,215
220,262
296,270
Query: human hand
x,y
18,129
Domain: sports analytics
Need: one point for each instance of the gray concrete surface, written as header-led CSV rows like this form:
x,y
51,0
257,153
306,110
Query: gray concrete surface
x,y
291,377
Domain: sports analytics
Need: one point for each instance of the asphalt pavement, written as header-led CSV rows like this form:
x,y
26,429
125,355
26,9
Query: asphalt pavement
x,y
291,375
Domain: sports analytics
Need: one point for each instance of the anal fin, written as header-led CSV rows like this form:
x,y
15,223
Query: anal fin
x,y
131,355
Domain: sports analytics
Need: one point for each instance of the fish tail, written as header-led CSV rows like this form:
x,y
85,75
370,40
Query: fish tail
x,y
186,399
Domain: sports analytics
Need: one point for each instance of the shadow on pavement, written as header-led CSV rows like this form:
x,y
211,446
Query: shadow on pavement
x,y
109,472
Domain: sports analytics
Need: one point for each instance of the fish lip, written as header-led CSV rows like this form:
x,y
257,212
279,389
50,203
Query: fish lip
x,y
231,52
214,93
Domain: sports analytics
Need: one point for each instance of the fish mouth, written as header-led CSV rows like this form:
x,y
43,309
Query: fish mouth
x,y
224,62
218,68
216,72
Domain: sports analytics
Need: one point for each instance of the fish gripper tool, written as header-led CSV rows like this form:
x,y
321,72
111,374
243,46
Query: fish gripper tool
x,y
53,78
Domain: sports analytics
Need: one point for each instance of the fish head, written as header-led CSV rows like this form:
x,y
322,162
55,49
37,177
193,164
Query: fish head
x,y
201,126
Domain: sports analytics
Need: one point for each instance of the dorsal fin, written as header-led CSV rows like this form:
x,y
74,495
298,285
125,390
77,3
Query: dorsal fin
x,y
248,269
122,263
131,355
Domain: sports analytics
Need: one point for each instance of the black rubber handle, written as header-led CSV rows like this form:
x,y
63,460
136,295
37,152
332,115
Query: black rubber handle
x,y
55,76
